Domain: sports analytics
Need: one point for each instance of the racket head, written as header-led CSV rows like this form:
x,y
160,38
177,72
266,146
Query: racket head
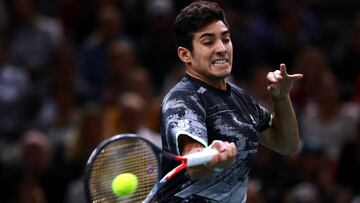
x,y
124,153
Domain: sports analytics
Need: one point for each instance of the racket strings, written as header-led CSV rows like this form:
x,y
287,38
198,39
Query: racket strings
x,y
123,156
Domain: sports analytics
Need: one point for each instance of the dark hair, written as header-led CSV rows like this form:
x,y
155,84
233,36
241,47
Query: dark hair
x,y
194,17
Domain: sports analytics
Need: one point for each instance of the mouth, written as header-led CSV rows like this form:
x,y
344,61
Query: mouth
x,y
219,62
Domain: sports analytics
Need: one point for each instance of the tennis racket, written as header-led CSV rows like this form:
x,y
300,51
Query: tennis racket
x,y
128,153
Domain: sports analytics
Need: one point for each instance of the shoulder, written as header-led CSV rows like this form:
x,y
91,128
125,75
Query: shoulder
x,y
236,88
186,96
240,92
182,90
248,101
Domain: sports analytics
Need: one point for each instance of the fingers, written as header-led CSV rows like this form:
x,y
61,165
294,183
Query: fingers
x,y
223,146
271,77
226,155
280,82
232,149
274,77
281,74
272,86
229,151
296,76
218,145
283,70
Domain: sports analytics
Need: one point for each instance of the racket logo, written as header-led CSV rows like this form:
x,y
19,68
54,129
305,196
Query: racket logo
x,y
150,169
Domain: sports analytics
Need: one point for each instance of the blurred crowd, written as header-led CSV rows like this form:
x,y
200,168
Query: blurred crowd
x,y
74,72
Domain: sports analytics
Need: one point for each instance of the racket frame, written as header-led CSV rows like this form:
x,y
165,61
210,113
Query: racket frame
x,y
97,151
186,161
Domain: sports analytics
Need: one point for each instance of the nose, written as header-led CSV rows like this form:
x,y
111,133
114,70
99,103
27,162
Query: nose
x,y
220,47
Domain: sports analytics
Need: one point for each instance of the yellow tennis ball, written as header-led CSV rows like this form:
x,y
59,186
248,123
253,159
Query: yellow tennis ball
x,y
124,184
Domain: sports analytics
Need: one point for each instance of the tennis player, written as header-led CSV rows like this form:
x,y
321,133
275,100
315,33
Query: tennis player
x,y
205,110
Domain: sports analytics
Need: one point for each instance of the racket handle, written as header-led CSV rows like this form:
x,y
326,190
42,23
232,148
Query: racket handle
x,y
199,158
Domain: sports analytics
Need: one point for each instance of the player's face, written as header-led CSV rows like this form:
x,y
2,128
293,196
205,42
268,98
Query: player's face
x,y
211,58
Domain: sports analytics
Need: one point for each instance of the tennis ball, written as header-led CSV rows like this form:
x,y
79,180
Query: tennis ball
x,y
124,184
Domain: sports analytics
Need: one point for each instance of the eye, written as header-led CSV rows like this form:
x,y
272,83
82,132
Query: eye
x,y
207,42
226,40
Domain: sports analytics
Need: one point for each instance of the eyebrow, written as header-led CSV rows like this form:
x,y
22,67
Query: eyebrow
x,y
212,34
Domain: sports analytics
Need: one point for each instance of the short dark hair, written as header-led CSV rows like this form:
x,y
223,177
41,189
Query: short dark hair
x,y
194,17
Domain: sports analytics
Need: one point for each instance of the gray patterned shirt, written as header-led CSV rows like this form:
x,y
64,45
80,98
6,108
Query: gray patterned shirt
x,y
205,113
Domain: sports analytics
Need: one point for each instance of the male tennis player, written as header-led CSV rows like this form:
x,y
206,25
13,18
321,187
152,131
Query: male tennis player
x,y
205,110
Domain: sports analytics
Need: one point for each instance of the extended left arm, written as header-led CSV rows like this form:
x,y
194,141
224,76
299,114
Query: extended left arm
x,y
283,136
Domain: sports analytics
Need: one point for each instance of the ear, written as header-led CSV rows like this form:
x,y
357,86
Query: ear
x,y
184,55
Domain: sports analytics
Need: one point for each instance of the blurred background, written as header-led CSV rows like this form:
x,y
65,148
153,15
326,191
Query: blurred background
x,y
74,72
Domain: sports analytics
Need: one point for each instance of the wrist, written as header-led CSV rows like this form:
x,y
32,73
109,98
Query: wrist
x,y
213,169
280,99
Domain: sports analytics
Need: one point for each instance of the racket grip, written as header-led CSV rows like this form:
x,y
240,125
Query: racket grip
x,y
199,158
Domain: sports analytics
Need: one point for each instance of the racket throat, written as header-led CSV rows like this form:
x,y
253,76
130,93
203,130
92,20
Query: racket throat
x,y
176,170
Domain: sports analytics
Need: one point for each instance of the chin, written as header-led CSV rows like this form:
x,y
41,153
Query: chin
x,y
223,74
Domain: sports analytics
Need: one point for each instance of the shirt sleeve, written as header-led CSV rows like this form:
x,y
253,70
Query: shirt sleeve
x,y
263,116
182,113
265,119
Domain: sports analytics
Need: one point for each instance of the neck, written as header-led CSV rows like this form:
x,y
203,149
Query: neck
x,y
219,83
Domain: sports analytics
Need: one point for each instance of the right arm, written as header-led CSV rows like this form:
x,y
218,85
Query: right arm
x,y
184,114
224,159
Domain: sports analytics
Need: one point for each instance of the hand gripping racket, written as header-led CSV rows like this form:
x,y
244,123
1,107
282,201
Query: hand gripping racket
x,y
128,153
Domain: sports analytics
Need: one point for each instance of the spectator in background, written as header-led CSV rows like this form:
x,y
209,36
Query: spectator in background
x,y
35,179
29,191
133,113
93,71
257,85
270,172
122,62
3,17
64,64
311,172
135,15
14,87
36,159
34,37
32,40
356,93
327,121
349,164
304,193
313,62
133,117
88,134
57,108
124,75
77,19
59,111
63,118
140,82
159,19
316,181
349,69
295,27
